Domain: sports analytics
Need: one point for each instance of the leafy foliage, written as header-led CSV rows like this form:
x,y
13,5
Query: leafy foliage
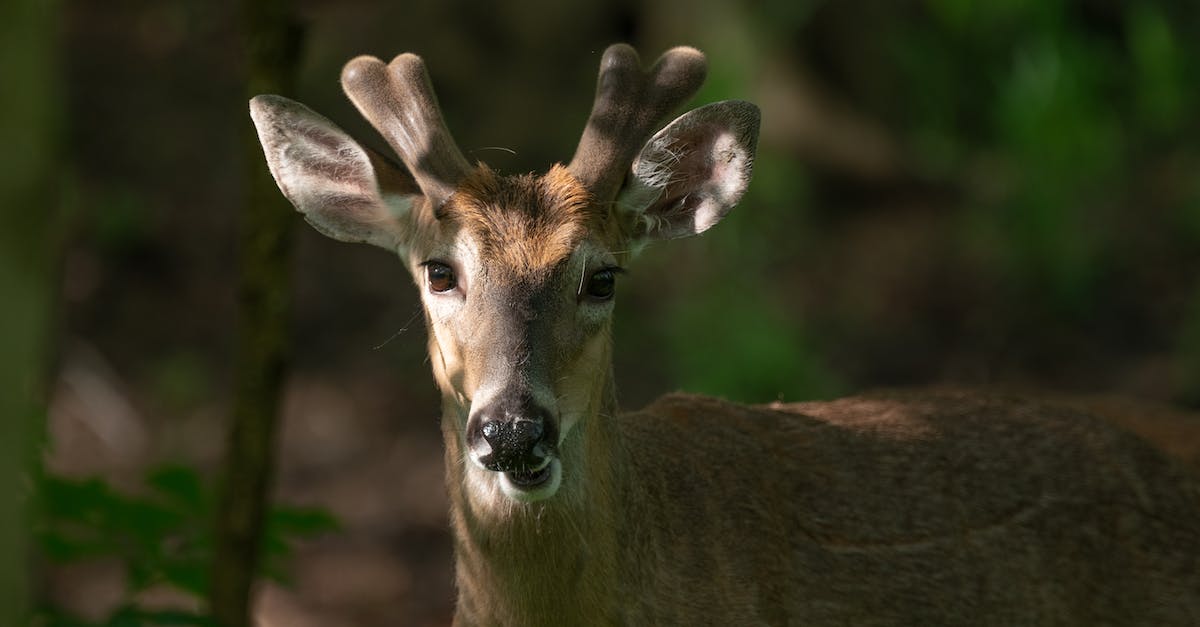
x,y
163,537
1059,132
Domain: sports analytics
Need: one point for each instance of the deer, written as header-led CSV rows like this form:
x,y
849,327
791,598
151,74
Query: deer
x,y
905,507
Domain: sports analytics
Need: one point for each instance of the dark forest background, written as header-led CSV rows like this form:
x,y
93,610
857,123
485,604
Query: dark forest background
x,y
1000,192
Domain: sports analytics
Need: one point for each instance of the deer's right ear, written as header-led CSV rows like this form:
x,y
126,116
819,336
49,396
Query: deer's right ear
x,y
346,191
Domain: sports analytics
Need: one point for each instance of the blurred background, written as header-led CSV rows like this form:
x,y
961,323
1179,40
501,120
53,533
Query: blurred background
x,y
1001,192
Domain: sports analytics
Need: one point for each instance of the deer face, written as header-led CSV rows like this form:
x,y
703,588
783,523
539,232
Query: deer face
x,y
517,273
518,294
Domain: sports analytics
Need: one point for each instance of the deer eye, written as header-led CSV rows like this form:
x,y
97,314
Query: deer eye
x,y
601,285
441,277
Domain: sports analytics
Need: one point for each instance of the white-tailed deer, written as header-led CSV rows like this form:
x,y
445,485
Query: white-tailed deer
x,y
929,508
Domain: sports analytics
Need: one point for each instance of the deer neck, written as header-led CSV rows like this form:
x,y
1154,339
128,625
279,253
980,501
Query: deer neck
x,y
517,563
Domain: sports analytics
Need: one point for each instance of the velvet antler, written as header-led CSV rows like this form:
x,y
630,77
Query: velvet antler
x,y
398,100
630,105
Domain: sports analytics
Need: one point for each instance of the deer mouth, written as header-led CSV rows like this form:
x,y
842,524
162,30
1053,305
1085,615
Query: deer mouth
x,y
532,484
529,479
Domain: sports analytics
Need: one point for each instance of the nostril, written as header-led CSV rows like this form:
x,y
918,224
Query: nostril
x,y
528,432
491,431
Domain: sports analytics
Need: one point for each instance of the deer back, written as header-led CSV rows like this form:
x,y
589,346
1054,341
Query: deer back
x,y
904,509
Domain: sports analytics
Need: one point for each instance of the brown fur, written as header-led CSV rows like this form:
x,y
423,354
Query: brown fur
x,y
1174,431
918,508
903,508
525,224
542,564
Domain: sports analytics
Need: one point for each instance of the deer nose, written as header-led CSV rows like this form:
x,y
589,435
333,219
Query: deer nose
x,y
503,442
516,436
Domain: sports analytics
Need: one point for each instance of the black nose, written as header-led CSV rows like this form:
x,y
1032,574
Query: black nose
x,y
504,439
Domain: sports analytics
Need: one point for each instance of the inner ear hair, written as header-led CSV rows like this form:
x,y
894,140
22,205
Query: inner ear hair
x,y
691,173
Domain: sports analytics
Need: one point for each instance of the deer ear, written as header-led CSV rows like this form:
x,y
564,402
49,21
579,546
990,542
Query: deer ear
x,y
691,173
346,191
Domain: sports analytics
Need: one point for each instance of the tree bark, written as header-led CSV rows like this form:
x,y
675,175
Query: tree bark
x,y
272,40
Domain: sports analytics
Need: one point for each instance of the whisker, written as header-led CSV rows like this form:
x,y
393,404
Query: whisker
x,y
582,277
402,330
500,148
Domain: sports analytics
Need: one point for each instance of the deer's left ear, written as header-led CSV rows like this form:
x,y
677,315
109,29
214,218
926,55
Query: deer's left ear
x,y
344,190
691,173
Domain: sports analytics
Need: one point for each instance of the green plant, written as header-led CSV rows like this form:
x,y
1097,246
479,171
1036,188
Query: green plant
x,y
162,537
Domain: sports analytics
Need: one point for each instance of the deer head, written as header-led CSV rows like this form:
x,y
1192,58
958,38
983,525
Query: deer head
x,y
517,273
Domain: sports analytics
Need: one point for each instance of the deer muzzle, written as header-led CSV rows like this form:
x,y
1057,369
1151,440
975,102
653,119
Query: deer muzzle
x,y
514,436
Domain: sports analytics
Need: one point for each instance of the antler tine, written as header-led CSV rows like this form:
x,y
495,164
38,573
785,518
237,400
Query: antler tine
x,y
398,100
629,106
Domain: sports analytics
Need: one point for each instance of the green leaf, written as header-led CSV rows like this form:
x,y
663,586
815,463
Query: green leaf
x,y
300,521
182,486
189,575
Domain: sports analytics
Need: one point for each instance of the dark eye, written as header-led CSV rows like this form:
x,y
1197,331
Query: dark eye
x,y
441,277
602,284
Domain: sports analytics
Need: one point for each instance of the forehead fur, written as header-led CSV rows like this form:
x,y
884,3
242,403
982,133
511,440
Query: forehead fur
x,y
527,223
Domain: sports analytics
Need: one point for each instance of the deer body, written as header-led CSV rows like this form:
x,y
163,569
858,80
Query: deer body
x,y
886,510
939,508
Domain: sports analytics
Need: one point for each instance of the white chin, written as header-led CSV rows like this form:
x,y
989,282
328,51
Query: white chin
x,y
533,494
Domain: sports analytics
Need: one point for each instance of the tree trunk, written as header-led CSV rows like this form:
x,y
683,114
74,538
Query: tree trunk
x,y
272,39
30,238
